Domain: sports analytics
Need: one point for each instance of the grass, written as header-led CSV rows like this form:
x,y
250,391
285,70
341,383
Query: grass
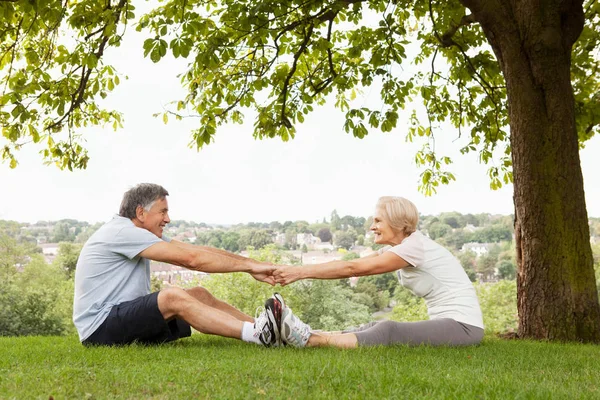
x,y
217,368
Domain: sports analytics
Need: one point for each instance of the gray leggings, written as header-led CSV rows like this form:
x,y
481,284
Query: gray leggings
x,y
435,332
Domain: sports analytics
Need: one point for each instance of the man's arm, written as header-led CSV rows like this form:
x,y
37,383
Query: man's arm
x,y
206,259
208,249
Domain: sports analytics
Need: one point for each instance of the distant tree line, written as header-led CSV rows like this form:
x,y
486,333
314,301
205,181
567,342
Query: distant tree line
x,y
36,297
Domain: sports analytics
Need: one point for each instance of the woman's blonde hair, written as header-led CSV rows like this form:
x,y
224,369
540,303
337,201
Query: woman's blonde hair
x,y
400,213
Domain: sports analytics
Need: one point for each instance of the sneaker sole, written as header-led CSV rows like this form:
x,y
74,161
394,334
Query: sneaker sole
x,y
275,313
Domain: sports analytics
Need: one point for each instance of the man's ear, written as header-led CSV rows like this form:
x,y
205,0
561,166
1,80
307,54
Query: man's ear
x,y
139,213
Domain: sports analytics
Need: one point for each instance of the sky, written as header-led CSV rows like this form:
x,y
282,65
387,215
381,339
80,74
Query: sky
x,y
238,179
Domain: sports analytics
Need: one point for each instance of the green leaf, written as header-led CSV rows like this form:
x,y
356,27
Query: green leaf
x,y
148,46
34,133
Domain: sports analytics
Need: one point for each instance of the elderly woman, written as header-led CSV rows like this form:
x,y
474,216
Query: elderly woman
x,y
423,266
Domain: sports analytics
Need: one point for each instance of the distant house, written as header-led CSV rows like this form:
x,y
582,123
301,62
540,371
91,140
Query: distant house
x,y
187,236
173,275
316,257
35,227
307,239
171,231
50,251
470,228
366,251
279,238
480,249
323,246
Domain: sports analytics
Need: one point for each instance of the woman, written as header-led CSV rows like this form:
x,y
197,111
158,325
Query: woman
x,y
423,266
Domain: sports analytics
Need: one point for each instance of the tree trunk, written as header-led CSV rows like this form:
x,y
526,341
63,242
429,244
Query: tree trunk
x,y
556,289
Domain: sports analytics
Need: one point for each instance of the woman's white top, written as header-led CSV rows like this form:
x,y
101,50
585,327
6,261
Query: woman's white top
x,y
437,276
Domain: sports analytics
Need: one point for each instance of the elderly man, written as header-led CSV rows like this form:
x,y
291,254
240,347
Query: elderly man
x,y
113,304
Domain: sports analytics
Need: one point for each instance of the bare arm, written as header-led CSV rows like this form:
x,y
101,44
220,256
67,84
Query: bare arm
x,y
370,265
207,259
208,249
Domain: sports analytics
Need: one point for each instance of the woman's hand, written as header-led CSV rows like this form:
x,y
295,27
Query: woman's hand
x,y
286,274
264,273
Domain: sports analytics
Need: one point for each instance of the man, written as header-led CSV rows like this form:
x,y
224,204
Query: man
x,y
113,304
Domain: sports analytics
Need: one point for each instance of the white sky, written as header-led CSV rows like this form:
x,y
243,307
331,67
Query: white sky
x,y
238,179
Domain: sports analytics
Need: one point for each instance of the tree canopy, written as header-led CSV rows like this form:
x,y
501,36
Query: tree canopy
x,y
280,58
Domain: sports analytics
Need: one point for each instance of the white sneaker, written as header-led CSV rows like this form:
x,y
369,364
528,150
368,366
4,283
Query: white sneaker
x,y
265,329
293,331
274,309
279,298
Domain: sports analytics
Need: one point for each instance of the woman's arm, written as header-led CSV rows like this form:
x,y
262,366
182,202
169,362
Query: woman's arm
x,y
372,265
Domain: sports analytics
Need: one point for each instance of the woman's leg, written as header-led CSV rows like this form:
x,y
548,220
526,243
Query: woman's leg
x,y
345,339
324,339
361,328
435,332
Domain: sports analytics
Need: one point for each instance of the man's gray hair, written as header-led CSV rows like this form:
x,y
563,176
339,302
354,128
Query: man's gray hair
x,y
144,195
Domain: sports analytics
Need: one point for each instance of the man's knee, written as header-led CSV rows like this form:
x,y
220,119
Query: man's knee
x,y
201,294
171,301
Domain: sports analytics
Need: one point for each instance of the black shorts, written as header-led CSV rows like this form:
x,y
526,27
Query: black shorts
x,y
138,320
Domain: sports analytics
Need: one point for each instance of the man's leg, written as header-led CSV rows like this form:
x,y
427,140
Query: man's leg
x,y
167,315
179,303
138,320
175,302
204,296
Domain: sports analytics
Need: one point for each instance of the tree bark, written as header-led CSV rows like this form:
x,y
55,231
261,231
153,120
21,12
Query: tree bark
x,y
556,289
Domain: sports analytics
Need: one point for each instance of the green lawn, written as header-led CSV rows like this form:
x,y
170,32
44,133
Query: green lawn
x,y
211,367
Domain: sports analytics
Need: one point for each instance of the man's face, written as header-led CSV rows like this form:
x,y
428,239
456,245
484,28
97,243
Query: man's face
x,y
156,219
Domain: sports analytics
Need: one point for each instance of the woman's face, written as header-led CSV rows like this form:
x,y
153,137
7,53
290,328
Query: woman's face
x,y
384,234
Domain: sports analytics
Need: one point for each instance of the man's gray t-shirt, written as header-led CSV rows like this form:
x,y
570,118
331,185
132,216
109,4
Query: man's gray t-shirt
x,y
109,272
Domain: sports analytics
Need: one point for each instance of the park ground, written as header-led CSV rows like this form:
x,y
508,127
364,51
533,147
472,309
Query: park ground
x,y
217,368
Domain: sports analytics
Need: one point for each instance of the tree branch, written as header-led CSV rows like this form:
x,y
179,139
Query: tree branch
x,y
78,95
329,53
447,41
12,47
446,38
284,91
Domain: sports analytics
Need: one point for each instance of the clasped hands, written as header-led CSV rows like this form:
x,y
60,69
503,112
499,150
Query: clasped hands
x,y
276,274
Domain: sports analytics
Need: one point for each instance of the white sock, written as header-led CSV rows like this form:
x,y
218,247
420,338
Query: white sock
x,y
248,333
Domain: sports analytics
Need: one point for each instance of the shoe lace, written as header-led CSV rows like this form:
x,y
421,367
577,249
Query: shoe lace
x,y
260,320
300,329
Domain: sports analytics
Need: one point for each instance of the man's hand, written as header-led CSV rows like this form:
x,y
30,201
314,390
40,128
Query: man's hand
x,y
263,273
284,275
